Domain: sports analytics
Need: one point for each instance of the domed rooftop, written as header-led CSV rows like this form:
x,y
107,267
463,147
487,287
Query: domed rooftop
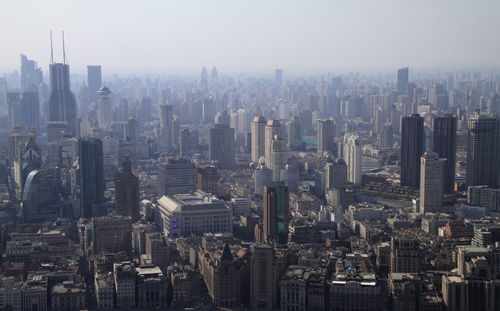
x,y
259,119
104,90
340,161
274,123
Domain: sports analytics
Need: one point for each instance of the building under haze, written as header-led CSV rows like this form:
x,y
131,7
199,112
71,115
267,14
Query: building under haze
x,y
91,176
445,145
62,102
127,191
94,83
258,138
402,85
221,142
276,213
176,175
352,157
326,137
31,74
412,148
432,174
272,130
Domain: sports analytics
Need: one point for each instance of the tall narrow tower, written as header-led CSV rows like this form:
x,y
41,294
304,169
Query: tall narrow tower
x,y
412,148
445,145
258,138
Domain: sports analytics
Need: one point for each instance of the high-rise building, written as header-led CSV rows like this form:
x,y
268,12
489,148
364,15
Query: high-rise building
x,y
336,174
208,110
127,191
104,108
221,142
62,102
352,157
278,77
94,83
276,213
295,134
157,250
124,277
263,176
263,270
14,108
208,179
405,255
42,196
403,80
176,175
326,137
30,108
279,152
386,137
91,175
412,148
272,129
258,138
483,151
17,135
30,73
432,172
445,145
29,158
112,234
166,128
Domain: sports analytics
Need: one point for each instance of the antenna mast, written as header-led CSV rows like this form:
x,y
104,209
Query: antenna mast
x,y
64,50
51,49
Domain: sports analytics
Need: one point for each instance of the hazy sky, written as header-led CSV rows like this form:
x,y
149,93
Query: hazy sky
x,y
161,36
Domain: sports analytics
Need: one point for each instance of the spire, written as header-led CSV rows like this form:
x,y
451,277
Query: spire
x,y
51,49
226,254
64,49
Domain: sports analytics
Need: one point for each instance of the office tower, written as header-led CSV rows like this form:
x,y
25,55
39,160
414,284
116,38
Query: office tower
x,y
352,157
276,213
432,173
283,109
176,128
188,142
144,113
42,196
17,135
94,82
176,175
91,176
221,142
412,148
405,255
403,80
278,77
290,175
166,119
208,110
112,234
62,103
493,105
279,153
445,145
483,151
263,270
204,78
263,176
30,108
336,174
104,108
208,179
214,75
326,137
295,134
386,137
157,250
56,130
272,129
29,158
258,138
30,73
127,191
14,108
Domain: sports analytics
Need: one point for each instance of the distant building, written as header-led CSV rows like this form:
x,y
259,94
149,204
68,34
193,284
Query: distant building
x,y
445,145
412,148
272,130
166,127
62,102
336,174
157,250
276,213
112,234
176,175
326,137
104,108
221,142
402,84
208,179
94,81
127,191
258,138
352,157
91,175
262,177
432,174
68,296
295,134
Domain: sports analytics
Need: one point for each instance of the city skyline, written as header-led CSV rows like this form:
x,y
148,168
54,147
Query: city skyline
x,y
254,37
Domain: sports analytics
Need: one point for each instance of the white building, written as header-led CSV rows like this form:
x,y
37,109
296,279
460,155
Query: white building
x,y
124,274
431,182
263,176
352,157
194,213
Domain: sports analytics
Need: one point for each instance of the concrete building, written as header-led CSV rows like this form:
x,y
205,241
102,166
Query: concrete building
x,y
193,213
124,276
68,296
279,152
62,102
412,148
104,108
258,138
263,278
221,142
352,157
151,288
241,206
272,131
157,250
432,174
10,295
112,234
34,293
166,127
263,176
445,145
208,179
127,191
176,175
104,290
276,213
405,255
326,137
336,174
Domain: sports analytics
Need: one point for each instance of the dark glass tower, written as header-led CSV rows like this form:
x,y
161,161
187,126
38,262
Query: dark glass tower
x,y
412,148
91,174
127,191
403,80
445,145
221,142
483,151
62,103
94,81
276,213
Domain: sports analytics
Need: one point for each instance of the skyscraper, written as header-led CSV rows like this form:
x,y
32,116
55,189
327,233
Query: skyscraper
x,y
30,108
258,138
176,175
30,73
445,145
276,213
29,158
104,108
326,137
403,80
91,181
412,148
94,82
432,171
62,103
295,134
166,118
279,152
272,129
263,270
221,142
483,151
127,191
208,179
352,157
386,136
336,174
278,77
